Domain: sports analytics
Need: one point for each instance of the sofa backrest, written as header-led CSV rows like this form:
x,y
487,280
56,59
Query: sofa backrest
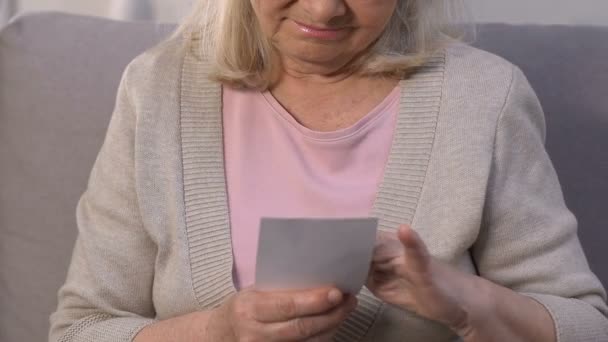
x,y
58,80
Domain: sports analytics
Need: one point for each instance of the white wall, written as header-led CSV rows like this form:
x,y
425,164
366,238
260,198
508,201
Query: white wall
x,y
160,10
591,12
587,12
91,7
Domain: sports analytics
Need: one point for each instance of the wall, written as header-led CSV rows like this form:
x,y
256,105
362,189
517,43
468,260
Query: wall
x,y
90,7
161,10
591,12
586,12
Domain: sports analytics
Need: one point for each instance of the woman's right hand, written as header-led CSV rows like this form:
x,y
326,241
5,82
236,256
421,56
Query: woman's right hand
x,y
310,315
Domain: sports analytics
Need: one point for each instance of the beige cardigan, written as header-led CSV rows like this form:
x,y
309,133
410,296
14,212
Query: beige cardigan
x,y
468,169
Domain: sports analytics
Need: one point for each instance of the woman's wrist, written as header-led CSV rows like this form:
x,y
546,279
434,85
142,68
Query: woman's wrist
x,y
219,326
496,313
477,303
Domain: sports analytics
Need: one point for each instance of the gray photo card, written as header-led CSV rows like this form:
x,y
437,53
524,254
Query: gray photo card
x,y
306,253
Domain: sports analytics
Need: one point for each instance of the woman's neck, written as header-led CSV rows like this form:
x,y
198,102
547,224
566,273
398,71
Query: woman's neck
x,y
329,103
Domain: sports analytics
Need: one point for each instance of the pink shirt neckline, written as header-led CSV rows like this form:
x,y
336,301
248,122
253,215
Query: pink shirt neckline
x,y
341,134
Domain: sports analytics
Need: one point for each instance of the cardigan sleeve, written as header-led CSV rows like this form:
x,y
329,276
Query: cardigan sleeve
x,y
528,240
108,292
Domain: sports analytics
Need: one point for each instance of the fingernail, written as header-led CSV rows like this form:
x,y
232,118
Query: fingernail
x,y
334,296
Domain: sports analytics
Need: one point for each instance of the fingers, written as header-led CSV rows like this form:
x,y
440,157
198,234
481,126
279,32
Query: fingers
x,y
313,328
385,267
289,315
417,256
387,248
285,306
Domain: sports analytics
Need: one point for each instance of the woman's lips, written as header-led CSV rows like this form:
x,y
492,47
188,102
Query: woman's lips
x,y
321,32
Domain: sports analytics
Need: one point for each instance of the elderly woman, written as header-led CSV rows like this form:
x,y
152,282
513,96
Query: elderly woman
x,y
326,108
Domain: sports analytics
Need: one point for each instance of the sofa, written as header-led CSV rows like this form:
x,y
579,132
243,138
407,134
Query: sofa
x,y
58,78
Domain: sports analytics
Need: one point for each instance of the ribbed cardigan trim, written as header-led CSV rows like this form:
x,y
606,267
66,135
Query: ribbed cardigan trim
x,y
205,193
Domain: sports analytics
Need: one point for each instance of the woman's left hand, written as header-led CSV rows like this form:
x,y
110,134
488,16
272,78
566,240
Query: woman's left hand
x,y
405,275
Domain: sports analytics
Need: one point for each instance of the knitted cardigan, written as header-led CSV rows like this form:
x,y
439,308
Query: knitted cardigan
x,y
467,169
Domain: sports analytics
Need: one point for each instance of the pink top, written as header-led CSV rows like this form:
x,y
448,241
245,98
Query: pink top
x,y
276,167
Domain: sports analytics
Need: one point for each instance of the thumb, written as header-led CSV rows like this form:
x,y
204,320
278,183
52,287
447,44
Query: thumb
x,y
417,256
